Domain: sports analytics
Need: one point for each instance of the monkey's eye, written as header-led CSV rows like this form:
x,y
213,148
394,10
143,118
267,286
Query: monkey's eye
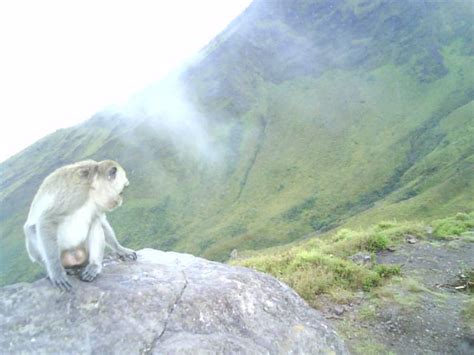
x,y
112,173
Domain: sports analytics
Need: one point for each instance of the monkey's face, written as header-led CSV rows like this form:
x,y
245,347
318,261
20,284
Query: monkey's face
x,y
110,185
117,179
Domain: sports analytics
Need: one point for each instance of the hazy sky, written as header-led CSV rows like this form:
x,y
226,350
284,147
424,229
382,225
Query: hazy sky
x,y
62,61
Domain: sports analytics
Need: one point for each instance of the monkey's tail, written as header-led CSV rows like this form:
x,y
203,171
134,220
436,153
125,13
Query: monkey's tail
x,y
30,232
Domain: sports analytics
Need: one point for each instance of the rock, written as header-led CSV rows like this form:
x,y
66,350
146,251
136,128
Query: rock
x,y
339,311
234,254
361,258
163,303
410,239
429,231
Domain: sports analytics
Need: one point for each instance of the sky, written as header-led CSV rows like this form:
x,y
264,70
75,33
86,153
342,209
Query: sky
x,y
62,61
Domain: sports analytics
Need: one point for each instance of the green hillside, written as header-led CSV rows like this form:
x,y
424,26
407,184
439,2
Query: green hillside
x,y
300,117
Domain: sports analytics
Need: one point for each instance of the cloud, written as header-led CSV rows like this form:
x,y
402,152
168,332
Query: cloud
x,y
166,107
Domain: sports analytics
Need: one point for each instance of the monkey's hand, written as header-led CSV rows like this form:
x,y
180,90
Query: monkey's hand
x,y
125,253
59,279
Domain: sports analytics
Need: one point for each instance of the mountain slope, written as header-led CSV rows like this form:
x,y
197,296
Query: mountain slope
x,y
301,116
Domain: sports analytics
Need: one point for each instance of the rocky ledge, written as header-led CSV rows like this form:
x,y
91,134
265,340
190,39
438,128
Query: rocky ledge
x,y
164,303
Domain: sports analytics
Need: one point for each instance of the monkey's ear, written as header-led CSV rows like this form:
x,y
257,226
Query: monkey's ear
x,y
112,173
84,173
87,172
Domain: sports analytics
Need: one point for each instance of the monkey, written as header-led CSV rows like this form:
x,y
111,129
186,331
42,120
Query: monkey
x,y
67,225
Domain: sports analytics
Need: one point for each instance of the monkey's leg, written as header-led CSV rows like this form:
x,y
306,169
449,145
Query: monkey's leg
x,y
95,245
48,247
113,243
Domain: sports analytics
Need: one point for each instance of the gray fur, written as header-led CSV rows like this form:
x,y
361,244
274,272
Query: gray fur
x,y
68,212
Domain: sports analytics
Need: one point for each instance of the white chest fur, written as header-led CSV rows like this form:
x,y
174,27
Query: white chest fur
x,y
73,231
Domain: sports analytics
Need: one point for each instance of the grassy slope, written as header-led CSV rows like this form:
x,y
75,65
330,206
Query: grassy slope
x,y
302,148
328,145
323,265
282,188
328,270
315,169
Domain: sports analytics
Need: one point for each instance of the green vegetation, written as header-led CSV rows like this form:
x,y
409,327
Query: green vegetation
x,y
366,344
403,292
329,264
468,314
447,227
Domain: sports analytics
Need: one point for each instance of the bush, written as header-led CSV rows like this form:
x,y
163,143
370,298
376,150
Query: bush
x,y
371,281
377,242
457,225
462,216
449,228
386,271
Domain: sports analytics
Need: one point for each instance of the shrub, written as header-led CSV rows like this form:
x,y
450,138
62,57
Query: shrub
x,y
461,216
385,271
377,242
453,225
449,228
371,281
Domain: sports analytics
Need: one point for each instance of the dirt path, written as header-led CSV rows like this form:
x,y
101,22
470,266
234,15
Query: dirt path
x,y
418,313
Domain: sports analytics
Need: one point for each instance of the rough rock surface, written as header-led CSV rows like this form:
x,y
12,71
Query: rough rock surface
x,y
163,303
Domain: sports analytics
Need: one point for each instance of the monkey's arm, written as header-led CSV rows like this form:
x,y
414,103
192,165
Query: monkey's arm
x,y
113,243
48,247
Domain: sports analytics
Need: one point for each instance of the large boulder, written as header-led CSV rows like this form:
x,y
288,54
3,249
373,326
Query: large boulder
x,y
164,303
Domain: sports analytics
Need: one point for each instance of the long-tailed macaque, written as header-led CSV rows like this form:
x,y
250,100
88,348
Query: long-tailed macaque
x,y
67,226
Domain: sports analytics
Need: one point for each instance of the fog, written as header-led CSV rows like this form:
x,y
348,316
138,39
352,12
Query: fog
x,y
167,108
62,62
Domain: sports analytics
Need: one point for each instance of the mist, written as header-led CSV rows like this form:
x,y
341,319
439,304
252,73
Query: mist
x,y
167,108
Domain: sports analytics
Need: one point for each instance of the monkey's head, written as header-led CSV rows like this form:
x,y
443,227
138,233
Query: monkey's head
x,y
108,185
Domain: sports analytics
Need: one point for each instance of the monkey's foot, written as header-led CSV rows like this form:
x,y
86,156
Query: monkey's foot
x,y
90,272
127,254
60,281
